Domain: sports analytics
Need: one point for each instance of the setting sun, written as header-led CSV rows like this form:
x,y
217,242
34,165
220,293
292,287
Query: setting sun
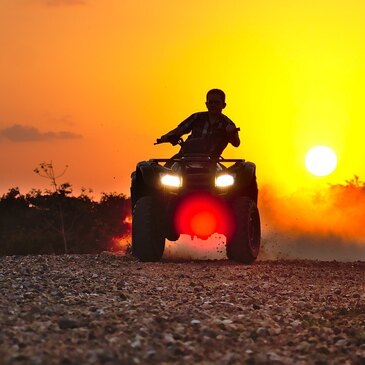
x,y
321,160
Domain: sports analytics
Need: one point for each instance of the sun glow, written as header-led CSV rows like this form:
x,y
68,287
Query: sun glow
x,y
321,160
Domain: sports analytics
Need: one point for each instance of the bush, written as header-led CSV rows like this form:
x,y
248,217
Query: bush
x,y
57,222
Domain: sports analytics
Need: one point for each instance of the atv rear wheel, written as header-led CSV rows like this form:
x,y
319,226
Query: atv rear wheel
x,y
244,245
148,238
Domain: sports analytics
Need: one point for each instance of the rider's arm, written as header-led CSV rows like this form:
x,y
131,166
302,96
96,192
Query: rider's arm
x,y
183,128
232,133
233,137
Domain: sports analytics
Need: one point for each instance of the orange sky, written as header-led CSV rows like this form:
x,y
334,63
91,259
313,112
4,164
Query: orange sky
x,y
92,83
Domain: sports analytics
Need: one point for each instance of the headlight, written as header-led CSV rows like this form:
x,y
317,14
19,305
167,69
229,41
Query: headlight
x,y
223,181
174,181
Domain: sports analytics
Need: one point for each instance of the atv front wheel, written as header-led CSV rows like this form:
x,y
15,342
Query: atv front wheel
x,y
148,238
244,245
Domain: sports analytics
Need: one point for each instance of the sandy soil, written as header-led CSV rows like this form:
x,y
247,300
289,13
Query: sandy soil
x,y
110,309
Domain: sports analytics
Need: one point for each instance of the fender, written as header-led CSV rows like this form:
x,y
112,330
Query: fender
x,y
247,181
144,179
248,173
146,173
245,172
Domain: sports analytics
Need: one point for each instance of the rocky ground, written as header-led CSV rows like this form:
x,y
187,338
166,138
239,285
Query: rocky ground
x,y
111,309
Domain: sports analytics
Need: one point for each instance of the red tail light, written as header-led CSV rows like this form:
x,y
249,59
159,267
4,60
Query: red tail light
x,y
202,215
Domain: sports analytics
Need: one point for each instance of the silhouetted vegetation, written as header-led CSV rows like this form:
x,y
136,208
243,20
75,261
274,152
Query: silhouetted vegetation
x,y
355,184
55,222
350,194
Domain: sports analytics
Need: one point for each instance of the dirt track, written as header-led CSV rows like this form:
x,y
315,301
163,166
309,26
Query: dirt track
x,y
114,310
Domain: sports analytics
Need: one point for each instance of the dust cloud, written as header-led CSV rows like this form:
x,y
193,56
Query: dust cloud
x,y
187,248
326,224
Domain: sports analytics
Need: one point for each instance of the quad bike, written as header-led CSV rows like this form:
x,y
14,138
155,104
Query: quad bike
x,y
198,195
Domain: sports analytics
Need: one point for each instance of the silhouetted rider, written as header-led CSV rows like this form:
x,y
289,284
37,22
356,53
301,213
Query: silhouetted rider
x,y
211,131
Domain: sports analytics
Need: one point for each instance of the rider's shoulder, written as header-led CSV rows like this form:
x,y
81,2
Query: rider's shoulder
x,y
197,116
226,119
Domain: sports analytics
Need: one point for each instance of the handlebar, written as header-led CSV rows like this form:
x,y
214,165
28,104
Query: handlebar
x,y
174,142
158,141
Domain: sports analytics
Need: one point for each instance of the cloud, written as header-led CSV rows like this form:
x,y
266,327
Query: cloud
x,y
23,133
64,2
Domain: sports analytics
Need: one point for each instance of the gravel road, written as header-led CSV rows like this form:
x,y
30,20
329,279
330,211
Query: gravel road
x,y
110,309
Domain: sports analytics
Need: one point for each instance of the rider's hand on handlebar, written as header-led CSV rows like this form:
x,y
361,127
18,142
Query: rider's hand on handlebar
x,y
174,140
